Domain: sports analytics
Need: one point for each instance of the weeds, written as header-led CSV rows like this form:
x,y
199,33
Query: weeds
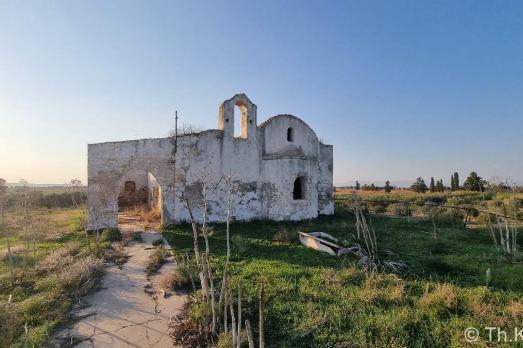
x,y
507,240
59,268
81,277
175,280
10,323
111,235
117,254
59,258
285,235
156,259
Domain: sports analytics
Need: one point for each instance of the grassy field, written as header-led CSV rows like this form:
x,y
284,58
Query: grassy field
x,y
48,279
318,300
313,299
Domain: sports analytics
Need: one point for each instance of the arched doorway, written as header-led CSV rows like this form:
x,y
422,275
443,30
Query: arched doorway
x,y
140,200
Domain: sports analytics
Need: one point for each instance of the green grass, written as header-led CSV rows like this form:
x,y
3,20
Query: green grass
x,y
318,300
43,297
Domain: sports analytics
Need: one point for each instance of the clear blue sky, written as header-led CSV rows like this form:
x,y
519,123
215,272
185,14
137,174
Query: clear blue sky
x,y
400,88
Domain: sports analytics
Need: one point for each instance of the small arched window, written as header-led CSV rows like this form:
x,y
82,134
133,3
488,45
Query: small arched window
x,y
299,188
290,134
130,186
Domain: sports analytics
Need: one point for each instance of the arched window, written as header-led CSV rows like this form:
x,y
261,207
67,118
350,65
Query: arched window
x,y
290,134
240,120
130,186
299,188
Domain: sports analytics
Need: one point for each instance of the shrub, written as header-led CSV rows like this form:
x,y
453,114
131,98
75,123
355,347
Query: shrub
x,y
10,323
377,207
201,313
156,259
435,199
446,216
225,340
34,308
285,236
111,235
175,280
239,244
80,277
117,254
400,209
52,200
59,257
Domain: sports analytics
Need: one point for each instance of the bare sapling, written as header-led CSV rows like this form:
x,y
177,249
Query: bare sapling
x,y
191,279
507,241
203,279
225,329
5,228
249,333
238,332
369,236
205,179
231,188
262,316
213,299
100,216
233,317
24,208
80,205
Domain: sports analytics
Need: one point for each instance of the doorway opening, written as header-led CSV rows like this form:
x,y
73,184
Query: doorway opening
x,y
140,200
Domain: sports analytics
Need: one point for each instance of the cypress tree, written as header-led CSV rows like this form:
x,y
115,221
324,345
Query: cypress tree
x,y
439,186
388,188
456,181
432,186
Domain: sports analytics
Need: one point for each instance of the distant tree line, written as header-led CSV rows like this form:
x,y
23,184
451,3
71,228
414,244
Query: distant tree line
x,y
472,183
15,196
372,187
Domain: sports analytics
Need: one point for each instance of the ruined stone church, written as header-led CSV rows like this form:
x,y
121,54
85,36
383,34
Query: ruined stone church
x,y
280,169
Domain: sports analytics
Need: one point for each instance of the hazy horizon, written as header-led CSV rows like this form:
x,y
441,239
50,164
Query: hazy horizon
x,y
401,89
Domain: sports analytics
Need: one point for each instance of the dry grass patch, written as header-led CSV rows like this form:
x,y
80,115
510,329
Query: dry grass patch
x,y
515,310
10,323
443,297
382,289
156,259
80,277
285,236
117,254
174,280
59,257
150,215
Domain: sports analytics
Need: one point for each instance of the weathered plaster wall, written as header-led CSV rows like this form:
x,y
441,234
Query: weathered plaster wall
x,y
109,163
262,161
154,191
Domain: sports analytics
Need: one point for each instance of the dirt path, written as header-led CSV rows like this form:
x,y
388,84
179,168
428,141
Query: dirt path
x,y
129,310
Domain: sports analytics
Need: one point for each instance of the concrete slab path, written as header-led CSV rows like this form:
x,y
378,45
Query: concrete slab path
x,y
130,309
